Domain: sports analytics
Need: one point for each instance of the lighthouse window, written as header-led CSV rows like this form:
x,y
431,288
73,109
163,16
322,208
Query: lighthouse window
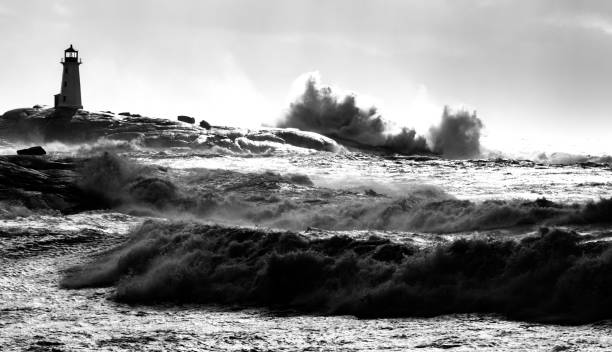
x,y
65,83
65,70
64,98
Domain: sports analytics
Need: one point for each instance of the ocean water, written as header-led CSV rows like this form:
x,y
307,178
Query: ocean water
x,y
396,176
295,190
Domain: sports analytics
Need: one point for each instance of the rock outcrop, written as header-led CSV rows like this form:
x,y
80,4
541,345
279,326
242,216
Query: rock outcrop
x,y
204,124
44,125
38,183
37,150
185,118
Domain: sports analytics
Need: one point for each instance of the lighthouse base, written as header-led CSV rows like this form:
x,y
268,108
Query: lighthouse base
x,y
60,102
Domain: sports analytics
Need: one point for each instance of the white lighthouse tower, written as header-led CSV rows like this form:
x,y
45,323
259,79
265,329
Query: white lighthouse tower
x,y
70,96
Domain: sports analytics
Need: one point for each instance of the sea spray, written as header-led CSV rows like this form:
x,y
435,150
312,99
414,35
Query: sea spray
x,y
551,277
285,201
324,110
293,202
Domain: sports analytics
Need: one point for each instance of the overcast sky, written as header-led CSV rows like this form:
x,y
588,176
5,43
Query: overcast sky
x,y
533,69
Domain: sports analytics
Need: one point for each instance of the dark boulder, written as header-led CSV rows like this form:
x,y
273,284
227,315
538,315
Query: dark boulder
x,y
37,150
187,119
45,184
372,193
124,114
204,124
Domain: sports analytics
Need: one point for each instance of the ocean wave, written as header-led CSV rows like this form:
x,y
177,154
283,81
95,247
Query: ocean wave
x,y
292,202
573,159
24,243
322,109
440,216
552,277
13,209
537,158
289,201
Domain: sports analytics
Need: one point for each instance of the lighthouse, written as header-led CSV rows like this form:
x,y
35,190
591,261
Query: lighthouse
x,y
70,96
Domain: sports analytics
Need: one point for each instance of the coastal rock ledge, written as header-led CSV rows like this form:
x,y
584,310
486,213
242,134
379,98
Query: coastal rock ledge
x,y
40,125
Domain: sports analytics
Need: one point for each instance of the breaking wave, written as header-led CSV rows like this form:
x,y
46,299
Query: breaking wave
x,y
553,277
457,136
289,201
292,202
13,209
573,159
320,109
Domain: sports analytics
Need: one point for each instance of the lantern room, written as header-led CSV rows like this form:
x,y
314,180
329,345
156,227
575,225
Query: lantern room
x,y
71,55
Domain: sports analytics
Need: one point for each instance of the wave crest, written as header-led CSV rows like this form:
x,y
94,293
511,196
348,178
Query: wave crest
x,y
553,277
321,109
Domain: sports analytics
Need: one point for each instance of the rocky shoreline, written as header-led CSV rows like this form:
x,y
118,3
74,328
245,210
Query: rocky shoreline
x,y
43,125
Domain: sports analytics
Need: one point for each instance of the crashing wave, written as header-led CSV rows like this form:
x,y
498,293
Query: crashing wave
x,y
269,199
324,110
553,277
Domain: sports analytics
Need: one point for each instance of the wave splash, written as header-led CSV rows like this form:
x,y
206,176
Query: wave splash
x,y
289,201
553,277
292,202
322,110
